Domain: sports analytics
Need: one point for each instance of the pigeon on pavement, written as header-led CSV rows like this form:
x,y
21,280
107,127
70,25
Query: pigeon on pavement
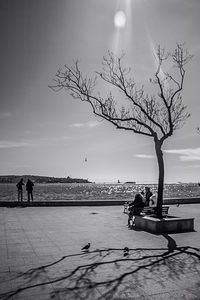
x,y
86,247
126,251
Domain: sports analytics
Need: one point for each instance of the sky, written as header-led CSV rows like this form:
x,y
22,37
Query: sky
x,y
49,133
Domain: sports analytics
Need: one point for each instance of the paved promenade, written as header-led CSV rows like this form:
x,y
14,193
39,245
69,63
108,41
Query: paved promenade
x,y
41,255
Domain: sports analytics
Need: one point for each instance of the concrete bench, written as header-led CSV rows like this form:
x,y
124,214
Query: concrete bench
x,y
152,210
148,210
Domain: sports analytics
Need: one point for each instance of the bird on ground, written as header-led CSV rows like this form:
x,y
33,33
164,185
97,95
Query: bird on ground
x,y
86,247
126,251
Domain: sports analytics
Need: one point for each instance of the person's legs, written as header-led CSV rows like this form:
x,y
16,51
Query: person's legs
x,y
130,216
31,193
20,193
28,194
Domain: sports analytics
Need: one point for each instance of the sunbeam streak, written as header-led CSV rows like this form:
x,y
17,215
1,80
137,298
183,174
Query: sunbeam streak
x,y
122,26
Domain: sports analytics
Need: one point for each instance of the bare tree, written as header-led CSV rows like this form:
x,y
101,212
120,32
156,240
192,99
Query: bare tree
x,y
156,115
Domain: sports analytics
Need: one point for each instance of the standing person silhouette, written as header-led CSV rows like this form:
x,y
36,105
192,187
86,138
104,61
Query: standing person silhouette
x,y
20,189
29,188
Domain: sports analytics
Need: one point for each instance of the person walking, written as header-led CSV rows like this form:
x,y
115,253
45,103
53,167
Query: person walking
x,y
29,188
20,189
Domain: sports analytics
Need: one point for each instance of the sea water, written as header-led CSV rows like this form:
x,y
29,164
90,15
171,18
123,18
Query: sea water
x,y
92,191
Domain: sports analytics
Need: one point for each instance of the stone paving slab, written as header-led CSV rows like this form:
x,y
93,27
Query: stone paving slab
x,y
41,255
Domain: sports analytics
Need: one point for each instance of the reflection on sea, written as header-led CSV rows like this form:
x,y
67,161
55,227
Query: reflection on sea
x,y
50,192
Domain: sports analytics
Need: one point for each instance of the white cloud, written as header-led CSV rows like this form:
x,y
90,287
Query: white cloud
x,y
11,144
144,156
186,154
5,115
90,124
93,124
189,166
77,125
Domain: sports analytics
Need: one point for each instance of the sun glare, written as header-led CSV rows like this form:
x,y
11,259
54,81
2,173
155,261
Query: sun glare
x,y
120,19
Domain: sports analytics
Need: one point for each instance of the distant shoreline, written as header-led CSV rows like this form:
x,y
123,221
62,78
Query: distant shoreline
x,y
12,179
41,179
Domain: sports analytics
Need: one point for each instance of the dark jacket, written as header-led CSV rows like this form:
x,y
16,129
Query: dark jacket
x,y
136,207
29,185
147,197
20,185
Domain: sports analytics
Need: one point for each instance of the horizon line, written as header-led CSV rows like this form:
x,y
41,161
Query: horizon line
x,y
101,181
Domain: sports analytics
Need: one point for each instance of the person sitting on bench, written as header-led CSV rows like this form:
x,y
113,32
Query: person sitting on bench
x,y
148,194
135,207
153,200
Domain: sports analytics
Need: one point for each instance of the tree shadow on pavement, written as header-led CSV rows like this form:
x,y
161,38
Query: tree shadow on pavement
x,y
109,273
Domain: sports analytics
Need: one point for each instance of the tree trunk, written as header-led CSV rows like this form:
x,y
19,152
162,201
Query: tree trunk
x,y
160,160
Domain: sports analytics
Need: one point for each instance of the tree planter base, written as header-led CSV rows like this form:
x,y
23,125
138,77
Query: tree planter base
x,y
170,224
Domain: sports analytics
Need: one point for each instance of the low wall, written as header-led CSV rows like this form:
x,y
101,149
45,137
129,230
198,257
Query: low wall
x,y
167,201
62,203
191,200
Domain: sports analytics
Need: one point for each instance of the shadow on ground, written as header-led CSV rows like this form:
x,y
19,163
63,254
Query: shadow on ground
x,y
111,273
